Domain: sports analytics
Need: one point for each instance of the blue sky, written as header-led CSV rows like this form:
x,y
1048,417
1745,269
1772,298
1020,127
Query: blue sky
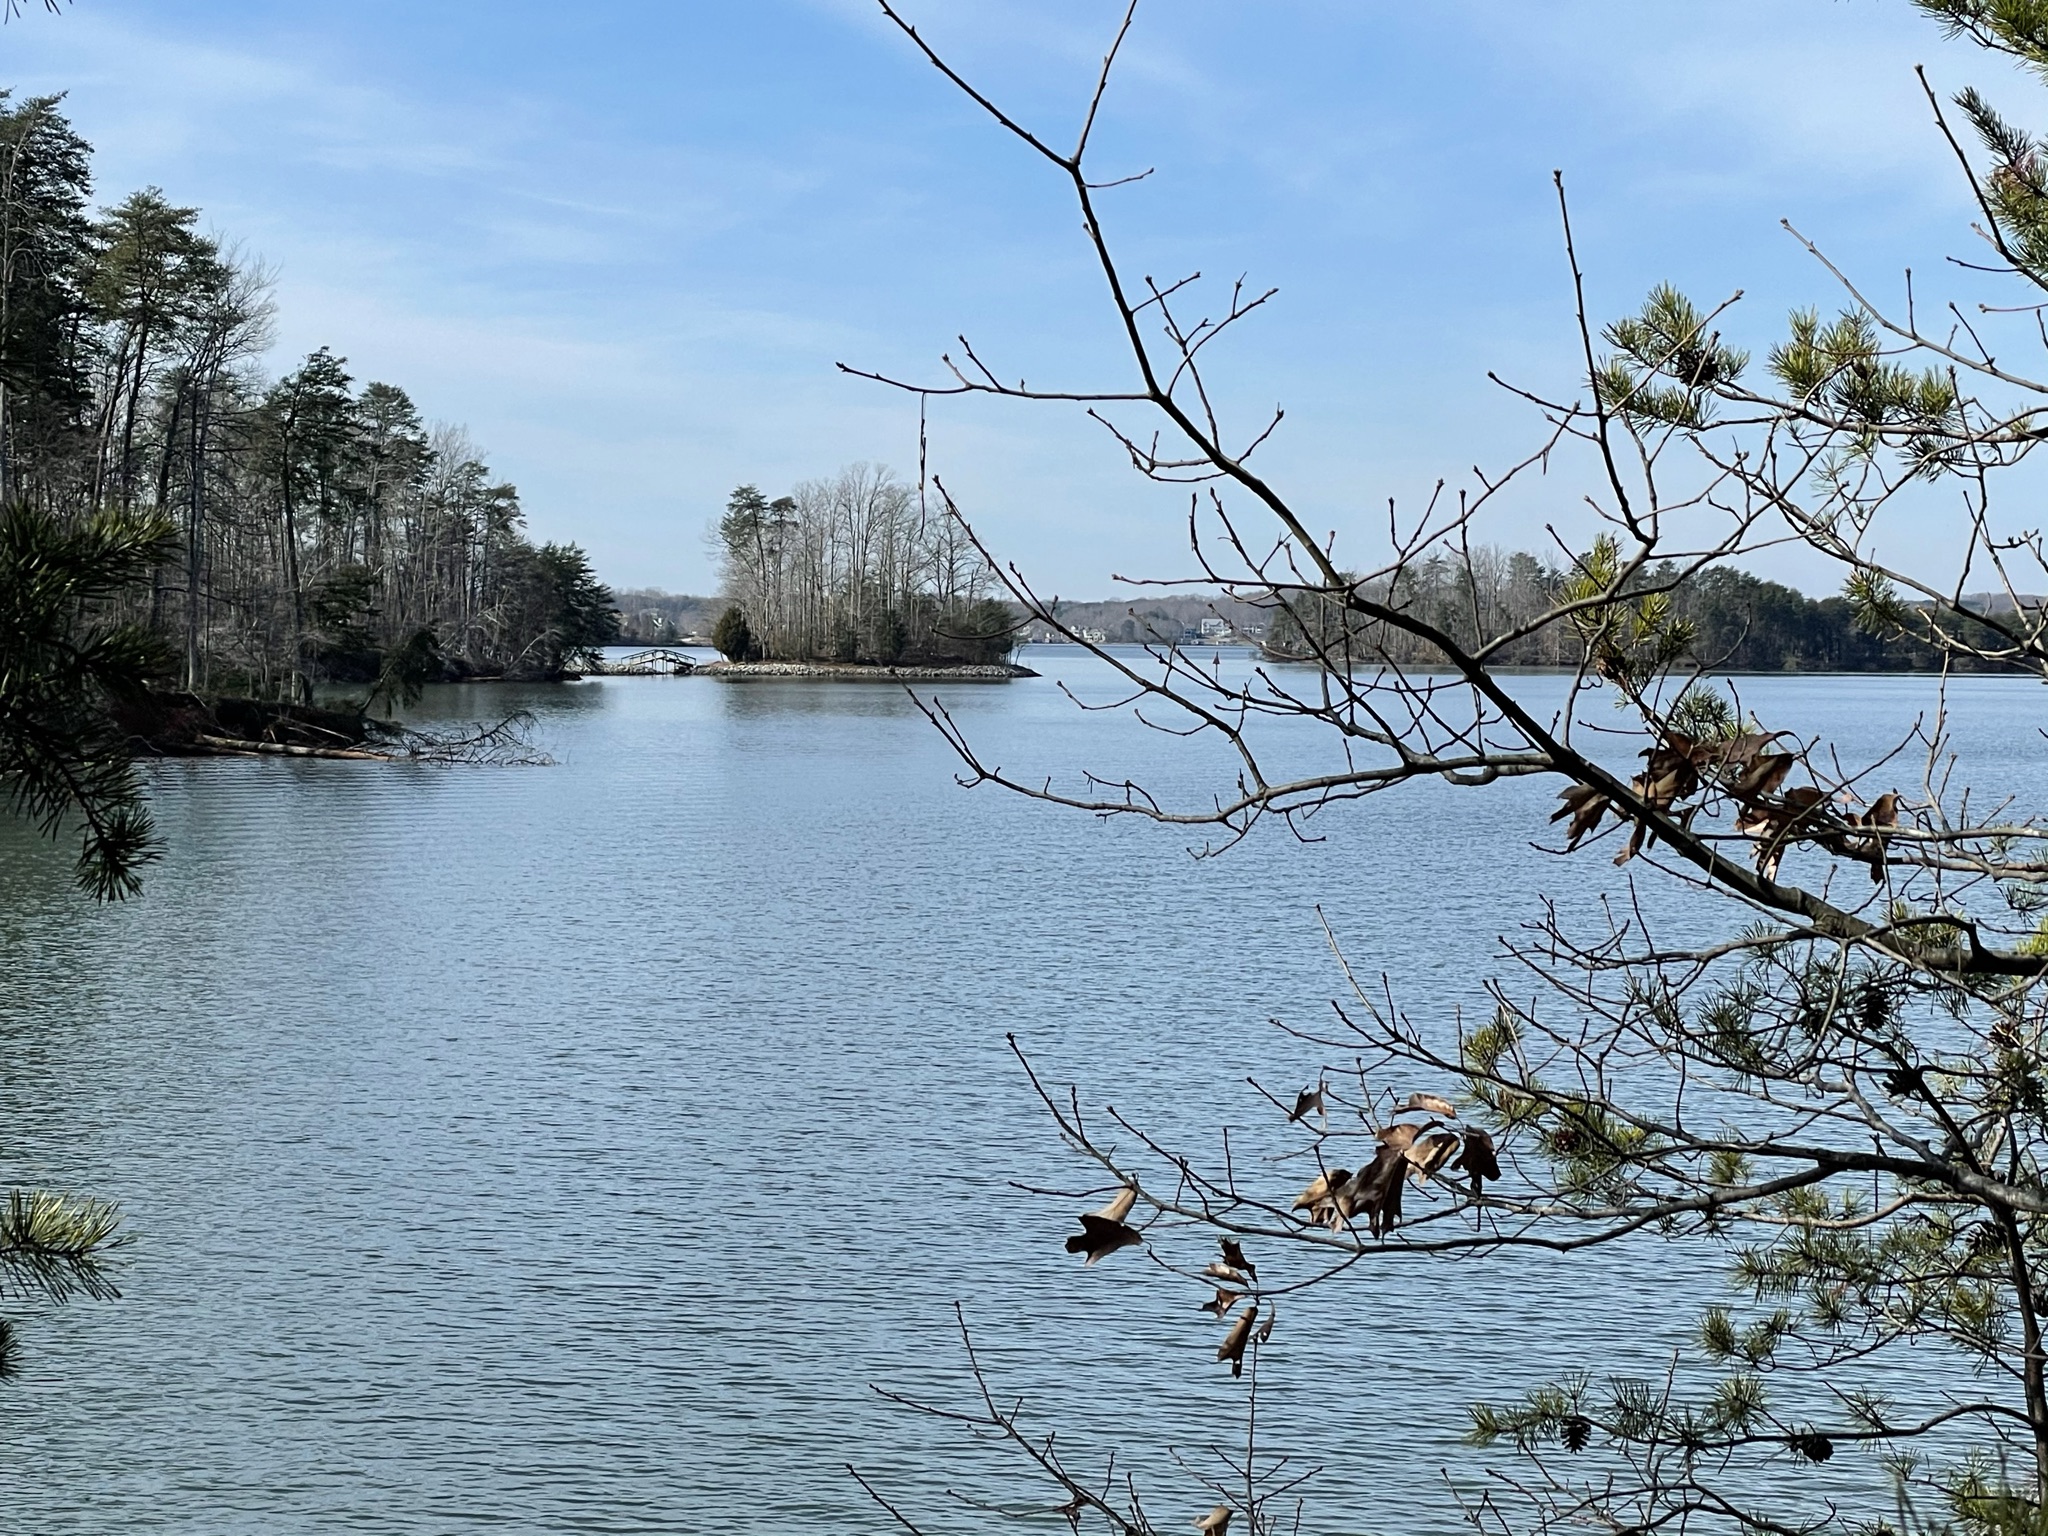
x,y
625,242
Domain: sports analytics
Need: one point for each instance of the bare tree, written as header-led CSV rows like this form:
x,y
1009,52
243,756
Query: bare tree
x,y
1844,1098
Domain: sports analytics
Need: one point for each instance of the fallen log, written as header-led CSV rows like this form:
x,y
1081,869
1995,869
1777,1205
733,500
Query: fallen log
x,y
244,748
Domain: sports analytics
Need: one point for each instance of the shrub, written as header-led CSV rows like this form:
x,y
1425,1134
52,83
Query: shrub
x,y
732,636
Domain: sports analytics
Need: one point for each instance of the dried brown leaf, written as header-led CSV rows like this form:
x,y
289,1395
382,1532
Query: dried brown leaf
x,y
1119,1205
1234,1257
1428,1103
1099,1236
1431,1153
1737,752
1670,774
1762,776
1397,1136
1585,805
1322,1189
1376,1191
1477,1159
1232,1347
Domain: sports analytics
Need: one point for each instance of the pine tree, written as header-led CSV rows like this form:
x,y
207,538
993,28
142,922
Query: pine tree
x,y
45,181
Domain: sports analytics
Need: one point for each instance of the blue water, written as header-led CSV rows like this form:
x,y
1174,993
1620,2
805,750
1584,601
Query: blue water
x,y
574,1148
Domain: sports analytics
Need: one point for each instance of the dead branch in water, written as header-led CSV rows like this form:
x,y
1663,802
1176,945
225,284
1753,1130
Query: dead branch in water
x,y
507,744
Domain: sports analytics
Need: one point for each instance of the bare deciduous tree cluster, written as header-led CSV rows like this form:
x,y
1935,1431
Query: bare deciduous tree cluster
x,y
859,568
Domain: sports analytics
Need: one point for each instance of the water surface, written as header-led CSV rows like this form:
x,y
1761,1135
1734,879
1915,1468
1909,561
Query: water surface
x,y
570,1149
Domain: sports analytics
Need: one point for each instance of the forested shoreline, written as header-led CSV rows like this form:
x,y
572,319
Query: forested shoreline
x,y
317,529
1725,619
312,529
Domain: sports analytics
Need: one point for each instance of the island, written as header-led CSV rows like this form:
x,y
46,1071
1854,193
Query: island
x,y
857,578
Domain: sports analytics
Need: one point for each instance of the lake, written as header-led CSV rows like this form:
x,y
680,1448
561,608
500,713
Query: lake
x,y
574,1148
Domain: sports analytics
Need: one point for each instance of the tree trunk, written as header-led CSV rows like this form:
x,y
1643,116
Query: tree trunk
x,y
295,678
195,538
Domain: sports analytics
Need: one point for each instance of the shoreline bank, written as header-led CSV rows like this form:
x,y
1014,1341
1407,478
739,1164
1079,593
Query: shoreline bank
x,y
853,672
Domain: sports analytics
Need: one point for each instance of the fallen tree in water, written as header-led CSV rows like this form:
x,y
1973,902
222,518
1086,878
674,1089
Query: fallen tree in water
x,y
180,724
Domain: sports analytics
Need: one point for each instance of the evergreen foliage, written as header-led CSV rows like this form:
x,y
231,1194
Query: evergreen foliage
x,y
63,663
733,640
322,528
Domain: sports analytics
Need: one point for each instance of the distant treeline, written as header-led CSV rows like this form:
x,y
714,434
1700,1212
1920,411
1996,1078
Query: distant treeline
x,y
1735,622
1738,622
320,530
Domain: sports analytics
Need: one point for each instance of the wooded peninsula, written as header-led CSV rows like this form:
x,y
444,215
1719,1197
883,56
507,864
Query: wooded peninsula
x,y
311,528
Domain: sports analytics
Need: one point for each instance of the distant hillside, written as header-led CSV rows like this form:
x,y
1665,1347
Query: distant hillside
x,y
651,617
1163,616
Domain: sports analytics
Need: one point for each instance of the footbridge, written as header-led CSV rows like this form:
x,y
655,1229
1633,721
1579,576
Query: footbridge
x,y
655,663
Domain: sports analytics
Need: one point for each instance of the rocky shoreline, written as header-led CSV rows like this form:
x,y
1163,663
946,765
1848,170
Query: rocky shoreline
x,y
854,672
